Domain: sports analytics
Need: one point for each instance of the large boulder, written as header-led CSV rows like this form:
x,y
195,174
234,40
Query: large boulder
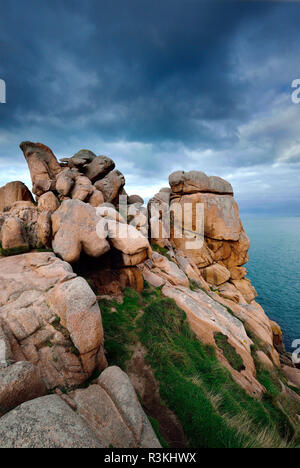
x,y
98,168
237,272
51,318
28,214
75,304
111,186
13,192
132,199
82,189
128,240
97,198
65,181
46,422
80,159
197,181
13,235
216,274
43,166
221,215
74,229
106,414
112,411
48,202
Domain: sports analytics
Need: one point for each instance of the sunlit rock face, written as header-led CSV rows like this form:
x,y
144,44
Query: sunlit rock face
x,y
51,318
215,266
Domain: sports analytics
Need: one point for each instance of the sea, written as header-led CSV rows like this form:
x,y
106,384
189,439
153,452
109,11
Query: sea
x,y
274,270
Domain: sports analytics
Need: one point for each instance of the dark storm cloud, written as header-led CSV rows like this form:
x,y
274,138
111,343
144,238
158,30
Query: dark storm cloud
x,y
157,85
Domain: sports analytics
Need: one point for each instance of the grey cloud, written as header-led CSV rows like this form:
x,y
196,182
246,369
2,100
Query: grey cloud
x,y
158,87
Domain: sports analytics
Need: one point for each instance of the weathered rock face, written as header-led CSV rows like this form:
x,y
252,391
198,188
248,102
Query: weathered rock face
x,y
51,318
112,411
12,235
216,274
293,375
105,414
222,245
246,289
78,226
159,217
18,227
19,382
214,265
126,238
165,269
82,189
13,192
65,181
48,202
231,253
99,167
46,422
254,318
5,350
196,181
221,216
43,166
74,229
111,186
206,318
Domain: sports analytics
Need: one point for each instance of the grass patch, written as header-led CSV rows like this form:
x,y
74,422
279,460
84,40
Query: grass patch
x,y
119,325
194,285
14,251
229,352
212,409
155,426
162,251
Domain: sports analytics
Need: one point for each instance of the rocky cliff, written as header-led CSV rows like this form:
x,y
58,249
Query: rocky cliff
x,y
104,299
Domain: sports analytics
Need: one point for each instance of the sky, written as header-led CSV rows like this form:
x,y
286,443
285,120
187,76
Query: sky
x,y
158,86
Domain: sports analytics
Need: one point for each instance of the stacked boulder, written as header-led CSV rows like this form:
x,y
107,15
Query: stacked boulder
x,y
225,247
66,216
51,333
210,252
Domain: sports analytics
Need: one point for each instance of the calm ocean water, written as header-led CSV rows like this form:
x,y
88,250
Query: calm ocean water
x,y
274,269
